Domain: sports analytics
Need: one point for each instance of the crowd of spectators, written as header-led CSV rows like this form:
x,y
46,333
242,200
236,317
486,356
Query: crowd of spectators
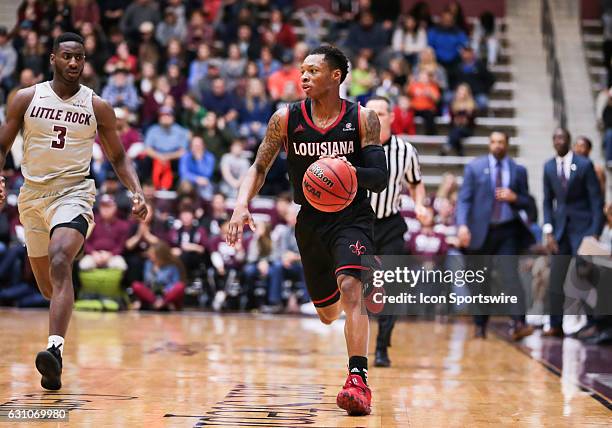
x,y
193,84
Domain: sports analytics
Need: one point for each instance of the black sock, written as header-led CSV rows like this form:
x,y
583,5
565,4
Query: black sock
x,y
359,365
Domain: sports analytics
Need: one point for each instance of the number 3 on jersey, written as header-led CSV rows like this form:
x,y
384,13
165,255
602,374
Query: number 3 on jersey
x,y
61,137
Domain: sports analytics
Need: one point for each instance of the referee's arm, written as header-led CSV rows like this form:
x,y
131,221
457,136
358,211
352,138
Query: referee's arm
x,y
416,187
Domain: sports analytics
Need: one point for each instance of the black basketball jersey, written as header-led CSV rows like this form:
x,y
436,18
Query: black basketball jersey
x,y
306,142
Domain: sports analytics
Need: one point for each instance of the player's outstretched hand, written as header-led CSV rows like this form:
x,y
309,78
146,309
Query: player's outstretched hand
x,y
139,207
2,191
240,217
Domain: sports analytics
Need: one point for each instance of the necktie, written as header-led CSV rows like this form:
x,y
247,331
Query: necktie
x,y
561,174
497,205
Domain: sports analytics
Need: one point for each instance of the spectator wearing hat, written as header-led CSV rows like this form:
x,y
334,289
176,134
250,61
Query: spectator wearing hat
x,y
137,12
165,143
285,84
8,60
475,73
198,166
148,48
107,241
120,90
170,27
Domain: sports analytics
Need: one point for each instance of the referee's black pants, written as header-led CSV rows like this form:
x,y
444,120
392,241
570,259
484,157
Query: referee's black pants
x,y
388,240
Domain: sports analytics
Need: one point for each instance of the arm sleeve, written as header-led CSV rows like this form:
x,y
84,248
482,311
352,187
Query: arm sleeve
x,y
373,175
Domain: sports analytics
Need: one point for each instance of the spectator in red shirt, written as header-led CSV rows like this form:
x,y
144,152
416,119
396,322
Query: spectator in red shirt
x,y
104,247
285,84
122,60
403,117
285,36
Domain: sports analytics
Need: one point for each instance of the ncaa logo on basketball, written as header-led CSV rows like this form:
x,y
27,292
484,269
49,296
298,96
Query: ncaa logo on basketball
x,y
312,190
348,127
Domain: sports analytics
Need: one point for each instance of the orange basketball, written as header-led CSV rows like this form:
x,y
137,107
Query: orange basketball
x,y
329,184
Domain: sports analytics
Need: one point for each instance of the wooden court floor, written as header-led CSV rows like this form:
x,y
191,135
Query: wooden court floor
x,y
191,370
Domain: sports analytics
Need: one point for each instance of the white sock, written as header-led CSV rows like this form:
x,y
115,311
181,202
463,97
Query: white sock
x,y
58,342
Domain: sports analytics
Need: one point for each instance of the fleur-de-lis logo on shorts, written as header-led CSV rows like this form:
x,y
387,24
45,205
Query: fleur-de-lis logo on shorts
x,y
357,248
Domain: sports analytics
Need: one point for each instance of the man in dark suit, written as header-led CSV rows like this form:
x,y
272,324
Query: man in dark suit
x,y
493,194
573,210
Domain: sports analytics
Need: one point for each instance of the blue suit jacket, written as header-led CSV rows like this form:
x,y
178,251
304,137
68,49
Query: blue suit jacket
x,y
476,197
577,210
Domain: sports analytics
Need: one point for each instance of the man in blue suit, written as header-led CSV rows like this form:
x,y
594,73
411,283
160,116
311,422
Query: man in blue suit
x,y
491,222
573,210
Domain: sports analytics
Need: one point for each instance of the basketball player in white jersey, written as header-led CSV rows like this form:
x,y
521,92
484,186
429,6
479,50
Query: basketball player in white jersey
x,y
59,120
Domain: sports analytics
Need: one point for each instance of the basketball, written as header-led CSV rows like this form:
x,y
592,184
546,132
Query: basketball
x,y
329,184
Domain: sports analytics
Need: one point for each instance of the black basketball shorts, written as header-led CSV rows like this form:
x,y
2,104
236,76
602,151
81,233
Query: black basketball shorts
x,y
332,244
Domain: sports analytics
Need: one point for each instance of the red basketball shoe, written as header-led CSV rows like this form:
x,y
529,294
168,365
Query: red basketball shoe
x,y
355,396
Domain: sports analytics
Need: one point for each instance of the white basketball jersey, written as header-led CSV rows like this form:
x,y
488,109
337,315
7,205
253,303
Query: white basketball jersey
x,y
58,135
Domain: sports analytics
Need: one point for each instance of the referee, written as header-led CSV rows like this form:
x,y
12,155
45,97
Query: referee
x,y
389,226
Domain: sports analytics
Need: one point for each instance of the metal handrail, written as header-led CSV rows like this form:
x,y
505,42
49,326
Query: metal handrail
x,y
552,66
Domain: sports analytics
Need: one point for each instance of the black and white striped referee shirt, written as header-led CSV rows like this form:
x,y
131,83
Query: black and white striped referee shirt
x,y
403,166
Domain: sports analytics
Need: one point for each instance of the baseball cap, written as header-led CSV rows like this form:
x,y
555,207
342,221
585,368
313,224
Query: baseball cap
x,y
120,113
107,199
166,110
146,27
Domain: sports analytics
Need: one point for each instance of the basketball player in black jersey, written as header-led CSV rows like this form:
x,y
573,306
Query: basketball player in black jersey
x,y
331,244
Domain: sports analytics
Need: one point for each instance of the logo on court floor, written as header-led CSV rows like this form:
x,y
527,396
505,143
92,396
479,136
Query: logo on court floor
x,y
357,248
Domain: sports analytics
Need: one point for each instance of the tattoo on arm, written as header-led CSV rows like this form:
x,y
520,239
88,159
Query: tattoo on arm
x,y
371,129
271,144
